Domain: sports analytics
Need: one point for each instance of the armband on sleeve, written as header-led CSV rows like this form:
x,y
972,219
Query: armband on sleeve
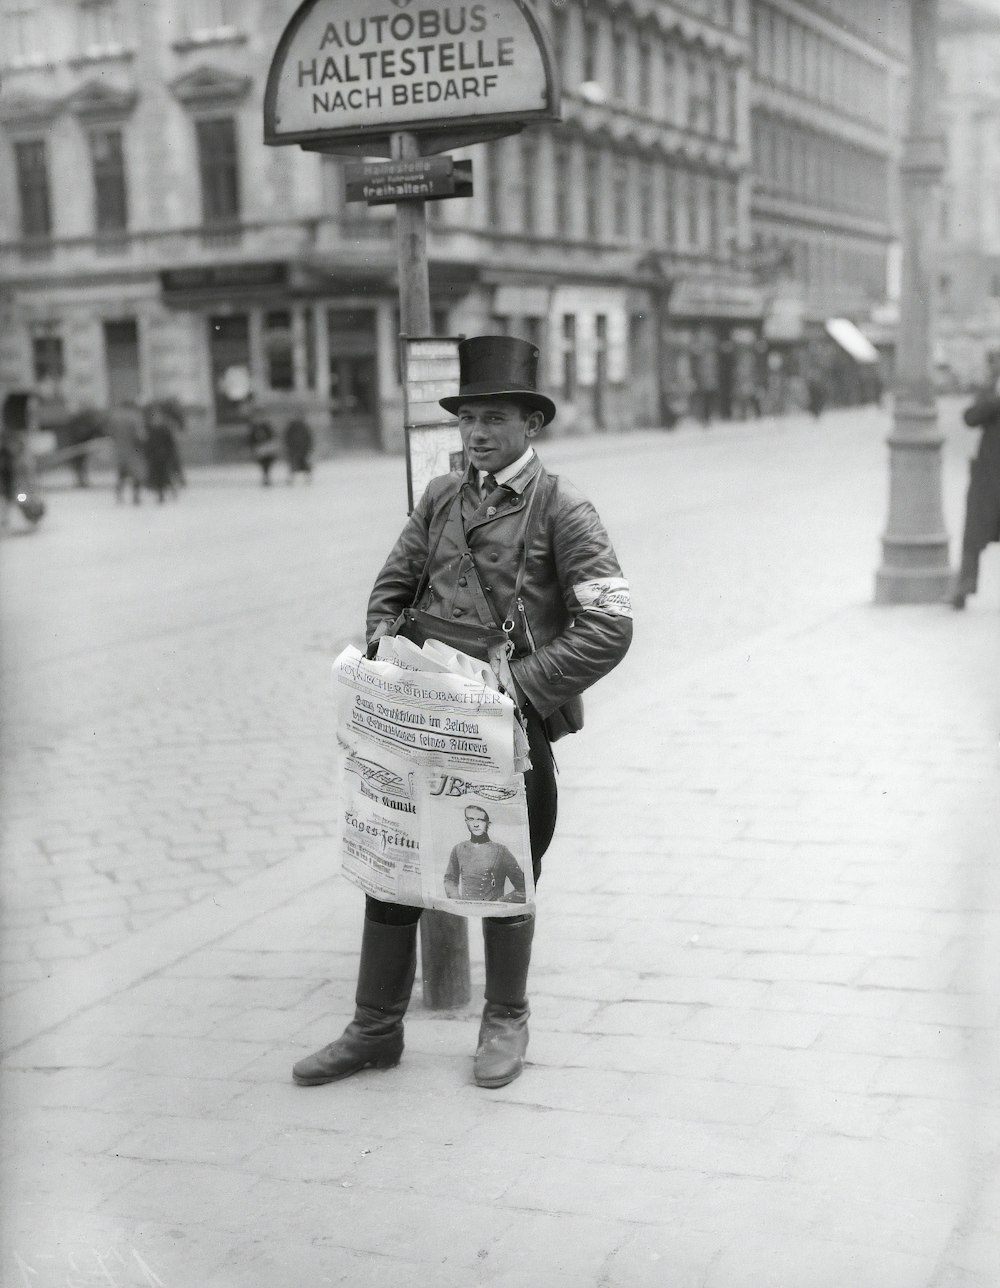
x,y
607,595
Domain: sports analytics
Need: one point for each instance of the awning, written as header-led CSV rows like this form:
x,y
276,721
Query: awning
x,y
851,340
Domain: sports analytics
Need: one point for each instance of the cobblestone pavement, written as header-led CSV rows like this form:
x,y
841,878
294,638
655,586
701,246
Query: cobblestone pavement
x,y
768,1061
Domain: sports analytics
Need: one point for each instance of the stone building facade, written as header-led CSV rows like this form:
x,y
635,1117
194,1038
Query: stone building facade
x,y
827,117
722,182
152,247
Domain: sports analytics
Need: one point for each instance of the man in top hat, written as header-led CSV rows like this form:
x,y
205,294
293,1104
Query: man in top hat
x,y
541,556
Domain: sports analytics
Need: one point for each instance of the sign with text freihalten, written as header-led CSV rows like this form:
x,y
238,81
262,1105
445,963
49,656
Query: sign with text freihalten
x,y
433,443
351,69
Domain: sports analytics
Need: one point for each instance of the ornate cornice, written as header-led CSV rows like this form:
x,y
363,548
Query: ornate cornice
x,y
207,86
28,109
97,101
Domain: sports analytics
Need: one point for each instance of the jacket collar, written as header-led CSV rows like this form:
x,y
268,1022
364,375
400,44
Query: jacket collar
x,y
517,484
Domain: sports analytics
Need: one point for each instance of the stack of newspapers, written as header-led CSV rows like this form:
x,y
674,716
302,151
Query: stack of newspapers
x,y
431,763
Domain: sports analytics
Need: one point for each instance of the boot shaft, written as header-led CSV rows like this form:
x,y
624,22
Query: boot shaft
x,y
507,948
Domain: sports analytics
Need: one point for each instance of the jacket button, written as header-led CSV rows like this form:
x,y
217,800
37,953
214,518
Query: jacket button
x,y
462,581
457,612
494,557
491,511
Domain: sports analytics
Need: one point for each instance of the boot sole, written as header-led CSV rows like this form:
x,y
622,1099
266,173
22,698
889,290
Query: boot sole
x,y
492,1083
349,1073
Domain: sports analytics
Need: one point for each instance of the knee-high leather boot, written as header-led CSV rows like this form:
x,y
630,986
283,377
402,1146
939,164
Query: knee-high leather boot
x,y
503,1034
375,1035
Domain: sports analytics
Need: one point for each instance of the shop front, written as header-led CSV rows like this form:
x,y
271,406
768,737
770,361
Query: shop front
x,y
279,341
712,349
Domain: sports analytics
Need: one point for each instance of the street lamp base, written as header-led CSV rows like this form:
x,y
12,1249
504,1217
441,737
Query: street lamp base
x,y
930,585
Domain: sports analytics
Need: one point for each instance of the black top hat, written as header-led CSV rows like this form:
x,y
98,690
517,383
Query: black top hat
x,y
499,366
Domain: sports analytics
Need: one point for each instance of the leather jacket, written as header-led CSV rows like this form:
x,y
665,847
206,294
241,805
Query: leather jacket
x,y
574,620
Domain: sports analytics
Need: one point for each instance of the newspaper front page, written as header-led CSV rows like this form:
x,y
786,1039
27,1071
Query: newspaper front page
x,y
432,806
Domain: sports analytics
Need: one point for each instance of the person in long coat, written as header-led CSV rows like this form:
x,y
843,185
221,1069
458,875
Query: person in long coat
x,y
538,549
128,435
161,454
982,505
298,448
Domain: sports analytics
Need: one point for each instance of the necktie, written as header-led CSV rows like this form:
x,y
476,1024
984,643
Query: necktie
x,y
489,485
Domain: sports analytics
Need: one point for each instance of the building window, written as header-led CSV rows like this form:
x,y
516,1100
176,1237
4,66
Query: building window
x,y
218,164
669,208
563,179
618,63
21,34
33,188
529,174
590,33
694,100
569,377
669,86
206,20
620,196
47,361
711,101
100,26
278,349
714,235
646,200
593,195
645,74
693,231
110,195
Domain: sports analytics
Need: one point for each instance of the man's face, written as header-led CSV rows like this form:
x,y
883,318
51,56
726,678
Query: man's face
x,y
476,821
496,431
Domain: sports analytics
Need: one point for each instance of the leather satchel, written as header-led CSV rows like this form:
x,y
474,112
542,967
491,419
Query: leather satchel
x,y
471,637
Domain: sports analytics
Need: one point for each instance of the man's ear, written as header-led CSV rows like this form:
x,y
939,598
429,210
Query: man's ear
x,y
534,423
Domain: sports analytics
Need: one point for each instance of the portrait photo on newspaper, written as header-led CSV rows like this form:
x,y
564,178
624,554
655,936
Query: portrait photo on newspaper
x,y
474,839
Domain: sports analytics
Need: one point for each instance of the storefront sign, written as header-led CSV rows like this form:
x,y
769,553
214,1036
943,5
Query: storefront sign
x,y
433,443
354,70
711,298
212,278
381,183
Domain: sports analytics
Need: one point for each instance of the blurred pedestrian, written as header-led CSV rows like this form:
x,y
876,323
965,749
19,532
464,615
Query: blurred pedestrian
x,y
264,444
161,454
298,449
128,437
816,393
464,554
18,483
982,505
171,412
80,429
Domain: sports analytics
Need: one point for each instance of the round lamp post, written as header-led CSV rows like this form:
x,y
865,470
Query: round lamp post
x,y
915,543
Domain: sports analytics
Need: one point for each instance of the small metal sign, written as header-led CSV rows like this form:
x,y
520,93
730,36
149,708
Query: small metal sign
x,y
380,183
433,443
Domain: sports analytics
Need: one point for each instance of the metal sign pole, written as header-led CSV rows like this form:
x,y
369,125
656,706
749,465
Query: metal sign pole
x,y
444,939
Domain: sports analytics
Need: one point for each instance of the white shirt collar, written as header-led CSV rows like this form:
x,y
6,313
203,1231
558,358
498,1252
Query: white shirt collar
x,y
509,471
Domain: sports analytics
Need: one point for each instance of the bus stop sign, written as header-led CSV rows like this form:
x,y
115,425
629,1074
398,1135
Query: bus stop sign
x,y
347,74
